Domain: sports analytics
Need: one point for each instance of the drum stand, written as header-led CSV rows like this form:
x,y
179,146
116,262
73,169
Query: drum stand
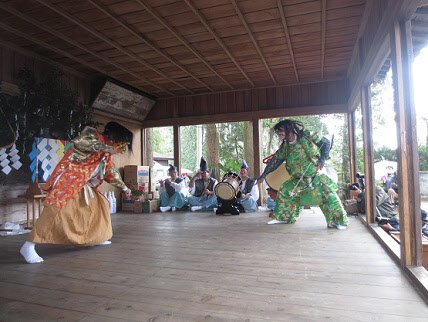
x,y
229,206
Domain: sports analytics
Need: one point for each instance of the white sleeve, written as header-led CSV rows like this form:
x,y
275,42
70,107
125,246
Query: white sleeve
x,y
178,186
162,189
255,192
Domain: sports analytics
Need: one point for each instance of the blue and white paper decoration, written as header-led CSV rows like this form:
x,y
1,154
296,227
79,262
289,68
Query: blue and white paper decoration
x,y
45,155
9,159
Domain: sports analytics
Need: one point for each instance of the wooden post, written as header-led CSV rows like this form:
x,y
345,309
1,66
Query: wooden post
x,y
257,152
149,146
352,146
177,149
368,154
143,146
408,166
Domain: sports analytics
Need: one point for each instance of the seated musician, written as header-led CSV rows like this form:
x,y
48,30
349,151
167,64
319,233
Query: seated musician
x,y
249,190
171,191
202,189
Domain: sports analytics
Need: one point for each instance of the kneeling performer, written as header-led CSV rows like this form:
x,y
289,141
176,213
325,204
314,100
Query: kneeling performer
x,y
170,191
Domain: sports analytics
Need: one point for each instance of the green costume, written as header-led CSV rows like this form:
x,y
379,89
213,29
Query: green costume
x,y
306,187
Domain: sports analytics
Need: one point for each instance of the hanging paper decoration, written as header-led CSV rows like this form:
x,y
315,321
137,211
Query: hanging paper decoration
x,y
9,159
45,155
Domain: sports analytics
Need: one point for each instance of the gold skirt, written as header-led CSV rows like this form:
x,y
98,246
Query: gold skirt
x,y
77,223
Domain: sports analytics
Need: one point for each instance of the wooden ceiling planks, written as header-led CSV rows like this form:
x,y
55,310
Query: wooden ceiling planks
x,y
200,45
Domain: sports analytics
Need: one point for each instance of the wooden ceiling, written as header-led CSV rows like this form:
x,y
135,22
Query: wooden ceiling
x,y
419,24
184,47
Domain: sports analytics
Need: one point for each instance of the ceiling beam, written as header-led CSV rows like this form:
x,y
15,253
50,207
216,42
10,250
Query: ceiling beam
x,y
75,43
110,42
164,23
139,35
247,116
364,20
250,34
216,37
287,36
50,47
323,23
32,54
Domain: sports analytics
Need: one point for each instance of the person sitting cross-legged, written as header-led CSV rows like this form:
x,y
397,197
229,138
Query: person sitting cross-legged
x,y
171,191
202,189
249,190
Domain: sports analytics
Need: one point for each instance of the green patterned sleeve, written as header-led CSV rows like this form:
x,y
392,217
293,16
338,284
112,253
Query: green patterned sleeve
x,y
112,176
281,153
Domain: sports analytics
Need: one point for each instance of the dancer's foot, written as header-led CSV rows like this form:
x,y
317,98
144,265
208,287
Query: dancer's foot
x,y
28,250
196,208
274,222
337,226
165,209
107,242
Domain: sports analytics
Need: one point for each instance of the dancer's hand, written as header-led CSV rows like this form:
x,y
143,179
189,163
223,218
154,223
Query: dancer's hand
x,y
127,192
320,167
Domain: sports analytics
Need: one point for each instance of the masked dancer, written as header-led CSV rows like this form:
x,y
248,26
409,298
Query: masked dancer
x,y
305,155
75,212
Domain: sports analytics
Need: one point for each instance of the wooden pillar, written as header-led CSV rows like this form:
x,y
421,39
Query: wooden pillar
x,y
257,153
143,146
149,146
352,146
177,149
408,165
368,154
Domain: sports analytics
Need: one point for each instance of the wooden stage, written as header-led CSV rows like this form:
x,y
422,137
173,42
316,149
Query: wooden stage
x,y
202,267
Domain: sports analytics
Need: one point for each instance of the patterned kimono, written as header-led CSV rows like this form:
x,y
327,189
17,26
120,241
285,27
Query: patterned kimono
x,y
75,212
306,187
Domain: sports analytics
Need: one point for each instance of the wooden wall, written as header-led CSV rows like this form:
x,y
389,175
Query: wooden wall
x,y
121,160
320,98
12,61
12,207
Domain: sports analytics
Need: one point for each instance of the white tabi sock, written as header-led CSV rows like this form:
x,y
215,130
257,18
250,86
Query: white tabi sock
x,y
29,252
107,242
165,209
196,208
274,222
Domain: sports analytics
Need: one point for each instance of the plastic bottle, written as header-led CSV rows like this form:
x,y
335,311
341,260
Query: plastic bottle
x,y
110,201
113,198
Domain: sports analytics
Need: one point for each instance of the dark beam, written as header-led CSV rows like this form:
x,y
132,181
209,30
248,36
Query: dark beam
x,y
408,158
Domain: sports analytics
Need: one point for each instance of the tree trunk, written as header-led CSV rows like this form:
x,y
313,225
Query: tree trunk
x,y
248,147
213,150
149,147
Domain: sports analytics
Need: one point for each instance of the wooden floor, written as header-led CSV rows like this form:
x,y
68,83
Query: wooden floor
x,y
202,267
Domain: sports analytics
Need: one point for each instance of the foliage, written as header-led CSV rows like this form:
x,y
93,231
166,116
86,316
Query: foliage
x,y
188,147
45,107
163,140
138,194
423,158
385,153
